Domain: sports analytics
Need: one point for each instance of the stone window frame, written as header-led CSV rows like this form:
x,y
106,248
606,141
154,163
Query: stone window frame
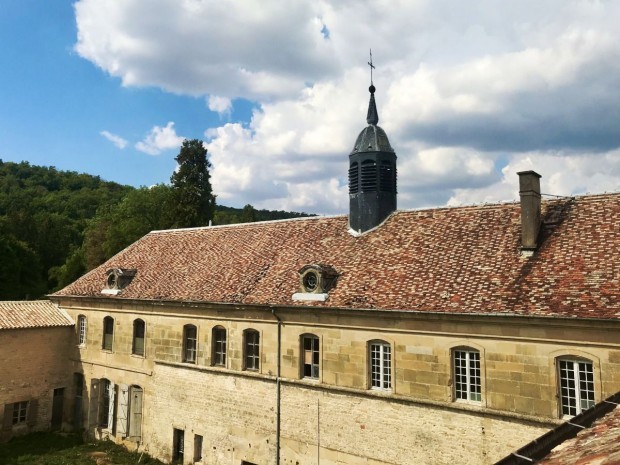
x,y
583,398
20,412
134,338
219,343
190,344
310,353
251,349
575,354
380,374
471,379
107,337
82,327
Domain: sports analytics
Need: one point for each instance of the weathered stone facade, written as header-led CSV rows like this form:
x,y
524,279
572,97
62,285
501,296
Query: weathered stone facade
x,y
34,351
338,418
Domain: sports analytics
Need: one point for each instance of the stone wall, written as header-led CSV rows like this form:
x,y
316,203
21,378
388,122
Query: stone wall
x,y
338,418
33,362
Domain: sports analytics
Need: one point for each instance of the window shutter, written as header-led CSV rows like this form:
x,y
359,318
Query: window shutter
x,y
7,423
135,423
111,408
33,408
93,402
123,403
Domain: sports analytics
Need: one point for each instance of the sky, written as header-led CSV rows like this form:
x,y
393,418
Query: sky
x,y
469,94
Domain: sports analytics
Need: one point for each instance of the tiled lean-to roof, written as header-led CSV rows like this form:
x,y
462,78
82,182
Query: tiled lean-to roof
x,y
32,314
460,260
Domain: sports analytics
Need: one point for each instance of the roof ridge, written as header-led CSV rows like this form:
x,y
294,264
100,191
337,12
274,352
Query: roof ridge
x,y
241,225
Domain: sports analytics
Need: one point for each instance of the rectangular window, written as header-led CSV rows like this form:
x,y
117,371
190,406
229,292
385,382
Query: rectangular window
x,y
380,365
311,356
197,448
252,350
82,330
576,386
191,343
108,333
20,409
467,381
219,346
178,445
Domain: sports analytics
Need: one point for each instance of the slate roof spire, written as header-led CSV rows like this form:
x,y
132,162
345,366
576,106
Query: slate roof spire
x,y
373,116
372,172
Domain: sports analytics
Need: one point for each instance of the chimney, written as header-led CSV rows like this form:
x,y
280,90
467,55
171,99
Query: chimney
x,y
529,193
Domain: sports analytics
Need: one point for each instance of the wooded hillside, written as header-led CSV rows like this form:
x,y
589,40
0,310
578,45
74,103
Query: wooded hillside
x,y
56,225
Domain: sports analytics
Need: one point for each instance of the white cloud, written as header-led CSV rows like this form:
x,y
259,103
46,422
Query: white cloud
x,y
160,139
116,140
221,105
467,92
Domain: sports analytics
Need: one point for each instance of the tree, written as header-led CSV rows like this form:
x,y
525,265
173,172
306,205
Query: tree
x,y
248,215
193,195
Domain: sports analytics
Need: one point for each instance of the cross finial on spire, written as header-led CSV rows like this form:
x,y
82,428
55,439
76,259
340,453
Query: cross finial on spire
x,y
371,66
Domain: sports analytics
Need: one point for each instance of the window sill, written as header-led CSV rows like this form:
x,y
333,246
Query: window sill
x,y
138,356
107,351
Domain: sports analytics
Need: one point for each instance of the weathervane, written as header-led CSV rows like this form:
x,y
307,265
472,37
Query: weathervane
x,y
371,66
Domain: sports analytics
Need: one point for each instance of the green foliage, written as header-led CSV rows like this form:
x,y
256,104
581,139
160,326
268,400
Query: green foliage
x,y
43,213
56,225
193,195
66,449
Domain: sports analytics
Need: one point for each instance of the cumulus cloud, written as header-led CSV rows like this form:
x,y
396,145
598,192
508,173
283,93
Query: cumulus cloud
x,y
468,92
160,139
221,105
116,140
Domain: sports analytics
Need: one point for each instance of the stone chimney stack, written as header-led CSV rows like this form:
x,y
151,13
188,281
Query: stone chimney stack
x,y
529,193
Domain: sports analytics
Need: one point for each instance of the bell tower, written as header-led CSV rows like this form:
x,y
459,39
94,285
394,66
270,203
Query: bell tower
x,y
372,172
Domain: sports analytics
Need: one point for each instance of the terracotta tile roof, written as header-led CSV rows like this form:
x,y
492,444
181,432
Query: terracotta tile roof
x,y
32,314
599,444
461,260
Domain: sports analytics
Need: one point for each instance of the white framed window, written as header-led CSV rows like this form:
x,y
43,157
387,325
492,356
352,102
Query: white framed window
x,y
311,356
380,365
467,379
20,411
576,386
219,346
106,403
81,330
190,343
252,349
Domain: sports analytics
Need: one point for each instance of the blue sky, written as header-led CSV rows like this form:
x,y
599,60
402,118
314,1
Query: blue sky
x,y
469,93
55,104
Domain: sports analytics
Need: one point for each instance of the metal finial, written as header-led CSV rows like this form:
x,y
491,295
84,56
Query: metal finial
x,y
371,67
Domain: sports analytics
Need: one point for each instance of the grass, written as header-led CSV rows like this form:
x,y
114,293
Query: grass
x,y
67,449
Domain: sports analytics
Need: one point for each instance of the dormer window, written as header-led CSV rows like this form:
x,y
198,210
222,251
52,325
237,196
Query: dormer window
x,y
118,279
315,282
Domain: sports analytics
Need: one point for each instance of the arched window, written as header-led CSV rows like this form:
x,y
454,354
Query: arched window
x,y
218,355
251,349
81,328
380,354
137,346
106,403
310,356
353,178
467,374
108,333
369,176
576,385
190,343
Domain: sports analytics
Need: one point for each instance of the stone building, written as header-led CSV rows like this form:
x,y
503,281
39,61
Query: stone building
x,y
448,335
35,340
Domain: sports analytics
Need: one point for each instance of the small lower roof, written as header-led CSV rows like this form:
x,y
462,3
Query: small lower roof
x,y
32,314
